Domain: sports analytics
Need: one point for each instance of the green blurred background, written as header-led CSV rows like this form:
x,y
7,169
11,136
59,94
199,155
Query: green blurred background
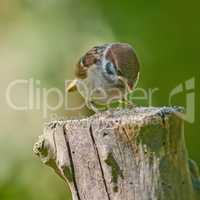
x,y
42,39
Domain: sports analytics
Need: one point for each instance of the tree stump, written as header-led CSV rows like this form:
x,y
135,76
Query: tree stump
x,y
136,154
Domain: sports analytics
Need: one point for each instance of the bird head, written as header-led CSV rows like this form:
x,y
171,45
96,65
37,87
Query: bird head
x,y
117,65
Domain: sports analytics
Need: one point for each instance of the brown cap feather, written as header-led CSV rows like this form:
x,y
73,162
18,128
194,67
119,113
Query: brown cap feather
x,y
125,59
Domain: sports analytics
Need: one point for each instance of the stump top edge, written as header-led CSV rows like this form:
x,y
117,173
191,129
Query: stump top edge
x,y
137,114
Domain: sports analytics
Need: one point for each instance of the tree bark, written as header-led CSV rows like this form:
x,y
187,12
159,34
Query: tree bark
x,y
137,154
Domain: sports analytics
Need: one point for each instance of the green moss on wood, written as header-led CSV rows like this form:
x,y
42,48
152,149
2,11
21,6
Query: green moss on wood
x,y
116,171
154,136
44,152
68,173
115,188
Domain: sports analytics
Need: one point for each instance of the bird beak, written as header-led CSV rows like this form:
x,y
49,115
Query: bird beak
x,y
125,82
72,86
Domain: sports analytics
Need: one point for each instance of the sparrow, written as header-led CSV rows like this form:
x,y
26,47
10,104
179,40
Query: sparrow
x,y
106,73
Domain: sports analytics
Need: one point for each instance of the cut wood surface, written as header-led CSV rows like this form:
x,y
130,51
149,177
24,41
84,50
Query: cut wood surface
x,y
136,154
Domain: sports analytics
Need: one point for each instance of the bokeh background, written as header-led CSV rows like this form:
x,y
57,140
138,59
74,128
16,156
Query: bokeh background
x,y
43,39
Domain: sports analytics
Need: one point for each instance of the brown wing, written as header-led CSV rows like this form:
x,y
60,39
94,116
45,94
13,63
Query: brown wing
x,y
90,58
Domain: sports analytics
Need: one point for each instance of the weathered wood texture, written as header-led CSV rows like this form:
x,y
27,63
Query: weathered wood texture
x,y
137,154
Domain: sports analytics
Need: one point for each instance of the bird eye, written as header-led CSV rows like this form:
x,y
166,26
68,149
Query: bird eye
x,y
110,68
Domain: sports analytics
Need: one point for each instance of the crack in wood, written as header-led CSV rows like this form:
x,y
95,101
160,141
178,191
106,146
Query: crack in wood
x,y
71,163
98,156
